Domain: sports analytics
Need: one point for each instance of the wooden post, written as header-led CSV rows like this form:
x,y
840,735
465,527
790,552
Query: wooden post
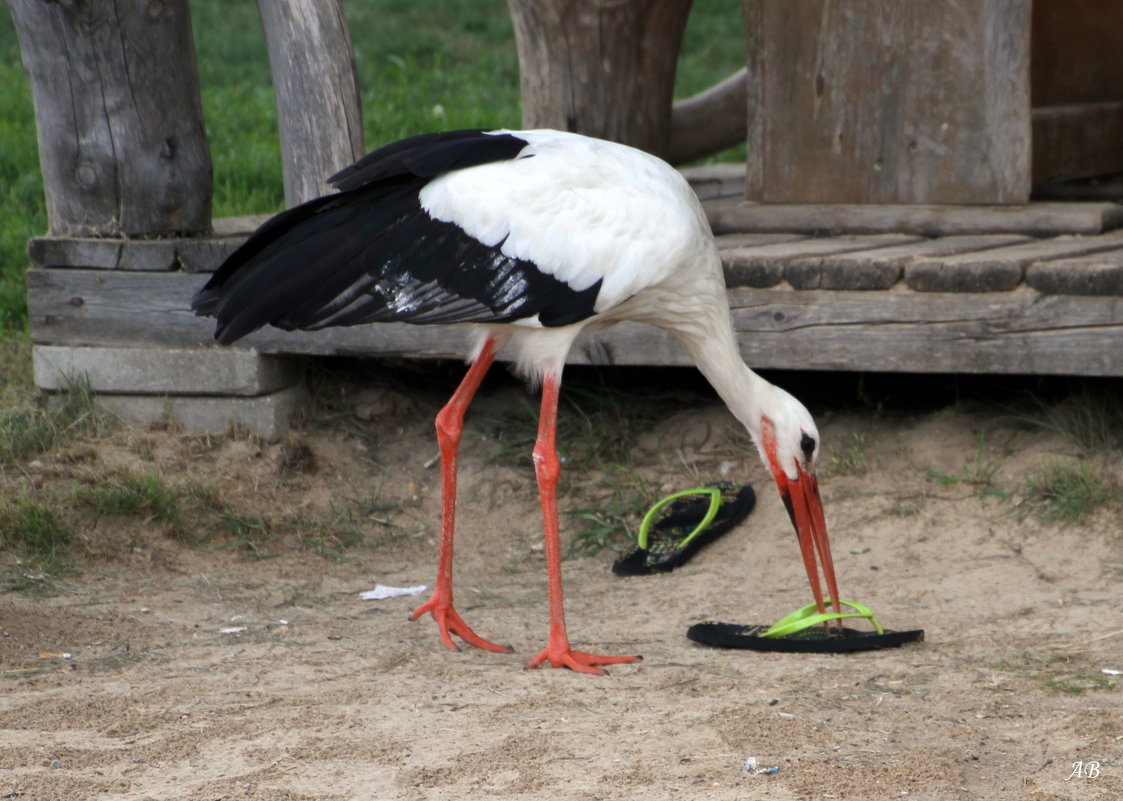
x,y
121,139
888,101
319,113
601,68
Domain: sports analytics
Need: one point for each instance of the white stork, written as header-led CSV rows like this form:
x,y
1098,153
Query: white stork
x,y
532,237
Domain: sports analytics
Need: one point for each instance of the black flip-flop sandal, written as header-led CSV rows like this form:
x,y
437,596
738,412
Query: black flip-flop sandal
x,y
674,529
800,632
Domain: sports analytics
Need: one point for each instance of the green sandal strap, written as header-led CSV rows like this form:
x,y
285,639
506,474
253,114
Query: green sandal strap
x,y
809,616
653,512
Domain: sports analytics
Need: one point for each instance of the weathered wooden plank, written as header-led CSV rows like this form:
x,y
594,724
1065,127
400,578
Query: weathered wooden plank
x,y
888,101
1034,219
1000,269
899,330
121,139
115,309
194,254
882,268
102,253
319,113
733,241
205,254
1096,274
763,265
1077,141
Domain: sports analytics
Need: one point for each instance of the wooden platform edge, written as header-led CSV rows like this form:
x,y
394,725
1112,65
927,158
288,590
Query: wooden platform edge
x,y
731,215
899,330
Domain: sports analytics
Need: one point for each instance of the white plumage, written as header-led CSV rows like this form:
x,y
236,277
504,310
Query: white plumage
x,y
581,209
532,237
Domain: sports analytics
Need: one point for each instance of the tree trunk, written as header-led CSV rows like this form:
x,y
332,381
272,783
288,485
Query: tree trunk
x,y
599,67
121,139
710,121
319,114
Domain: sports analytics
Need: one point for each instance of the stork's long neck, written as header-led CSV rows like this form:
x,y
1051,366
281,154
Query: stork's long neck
x,y
712,344
741,389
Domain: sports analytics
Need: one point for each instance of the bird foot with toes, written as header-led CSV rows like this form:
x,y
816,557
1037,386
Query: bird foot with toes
x,y
578,661
449,622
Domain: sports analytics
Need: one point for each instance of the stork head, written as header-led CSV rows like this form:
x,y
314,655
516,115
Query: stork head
x,y
789,446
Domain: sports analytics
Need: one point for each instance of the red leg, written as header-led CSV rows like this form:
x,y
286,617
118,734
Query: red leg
x,y
450,425
547,468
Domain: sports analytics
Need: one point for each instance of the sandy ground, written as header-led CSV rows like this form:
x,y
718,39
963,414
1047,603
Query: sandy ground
x,y
320,695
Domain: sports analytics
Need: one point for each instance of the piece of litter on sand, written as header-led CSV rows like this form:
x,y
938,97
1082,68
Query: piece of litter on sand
x,y
232,630
751,767
1111,672
381,592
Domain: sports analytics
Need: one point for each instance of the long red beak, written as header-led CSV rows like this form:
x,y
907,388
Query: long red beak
x,y
801,497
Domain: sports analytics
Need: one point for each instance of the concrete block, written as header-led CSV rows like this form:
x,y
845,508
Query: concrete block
x,y
268,416
160,371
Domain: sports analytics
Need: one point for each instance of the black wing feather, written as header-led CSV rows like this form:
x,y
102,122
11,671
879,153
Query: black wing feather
x,y
427,156
371,254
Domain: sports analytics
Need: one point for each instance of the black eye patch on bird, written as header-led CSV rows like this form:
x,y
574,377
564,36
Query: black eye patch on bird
x,y
807,445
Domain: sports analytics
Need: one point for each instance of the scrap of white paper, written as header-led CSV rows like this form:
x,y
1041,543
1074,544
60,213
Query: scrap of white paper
x,y
381,592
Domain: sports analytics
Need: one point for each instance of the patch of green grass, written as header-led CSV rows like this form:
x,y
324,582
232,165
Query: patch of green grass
x,y
247,533
1078,683
128,494
852,459
331,535
194,514
331,546
614,522
22,205
979,474
904,508
1091,416
38,529
598,423
17,382
1065,490
27,429
1056,673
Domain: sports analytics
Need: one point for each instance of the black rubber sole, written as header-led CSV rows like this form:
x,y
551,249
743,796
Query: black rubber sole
x,y
813,641
686,513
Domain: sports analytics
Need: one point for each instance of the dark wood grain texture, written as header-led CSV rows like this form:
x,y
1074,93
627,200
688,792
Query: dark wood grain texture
x,y
122,144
